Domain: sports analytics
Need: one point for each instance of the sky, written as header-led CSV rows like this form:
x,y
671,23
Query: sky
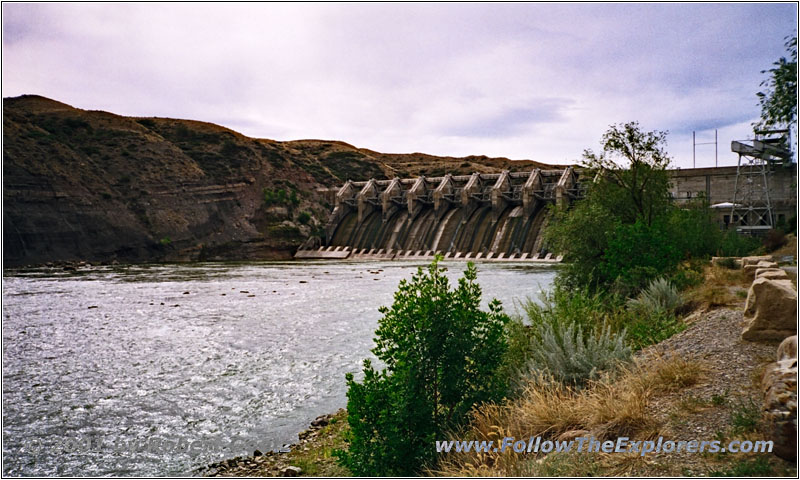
x,y
523,81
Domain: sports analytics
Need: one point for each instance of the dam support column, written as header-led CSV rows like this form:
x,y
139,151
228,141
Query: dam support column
x,y
533,187
366,199
469,196
345,198
417,196
565,184
440,196
501,188
390,198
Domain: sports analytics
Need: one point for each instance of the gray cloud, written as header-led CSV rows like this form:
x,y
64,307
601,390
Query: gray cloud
x,y
538,81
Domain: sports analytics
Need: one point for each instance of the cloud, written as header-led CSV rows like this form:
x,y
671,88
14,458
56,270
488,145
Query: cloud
x,y
539,81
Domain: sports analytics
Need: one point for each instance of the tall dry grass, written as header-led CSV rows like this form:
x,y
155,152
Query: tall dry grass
x,y
606,408
717,289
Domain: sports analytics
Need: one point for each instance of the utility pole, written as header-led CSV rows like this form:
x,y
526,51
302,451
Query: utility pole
x,y
695,144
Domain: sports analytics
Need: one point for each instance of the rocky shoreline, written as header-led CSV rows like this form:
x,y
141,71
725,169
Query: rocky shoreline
x,y
287,462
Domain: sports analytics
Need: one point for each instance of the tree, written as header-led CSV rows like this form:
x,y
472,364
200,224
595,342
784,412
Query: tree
x,y
632,167
617,231
779,101
442,355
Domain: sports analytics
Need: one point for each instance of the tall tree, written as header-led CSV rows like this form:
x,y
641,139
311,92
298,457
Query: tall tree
x,y
633,166
779,100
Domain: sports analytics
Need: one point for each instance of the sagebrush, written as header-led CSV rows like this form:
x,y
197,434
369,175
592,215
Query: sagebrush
x,y
573,358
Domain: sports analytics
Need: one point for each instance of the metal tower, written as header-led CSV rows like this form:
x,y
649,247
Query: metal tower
x,y
751,213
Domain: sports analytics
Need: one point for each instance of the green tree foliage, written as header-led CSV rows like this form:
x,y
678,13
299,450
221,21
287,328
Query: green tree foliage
x,y
779,101
632,168
280,197
442,355
626,231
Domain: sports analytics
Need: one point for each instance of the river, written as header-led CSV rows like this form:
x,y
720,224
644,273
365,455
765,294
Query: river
x,y
153,370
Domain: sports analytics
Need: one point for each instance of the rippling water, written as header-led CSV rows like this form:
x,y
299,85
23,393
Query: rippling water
x,y
160,369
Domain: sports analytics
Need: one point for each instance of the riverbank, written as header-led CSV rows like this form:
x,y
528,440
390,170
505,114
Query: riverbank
x,y
700,384
312,455
703,383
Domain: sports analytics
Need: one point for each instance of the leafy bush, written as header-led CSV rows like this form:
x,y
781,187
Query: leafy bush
x,y
280,197
686,277
645,329
558,306
788,226
563,351
304,218
442,355
517,354
727,262
660,295
693,230
638,252
735,245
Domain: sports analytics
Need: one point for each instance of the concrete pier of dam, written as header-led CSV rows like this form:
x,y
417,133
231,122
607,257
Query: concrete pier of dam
x,y
486,217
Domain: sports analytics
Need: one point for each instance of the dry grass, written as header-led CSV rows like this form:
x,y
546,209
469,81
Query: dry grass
x,y
606,408
716,289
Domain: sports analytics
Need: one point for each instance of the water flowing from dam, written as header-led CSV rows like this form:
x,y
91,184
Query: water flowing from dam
x,y
156,370
496,217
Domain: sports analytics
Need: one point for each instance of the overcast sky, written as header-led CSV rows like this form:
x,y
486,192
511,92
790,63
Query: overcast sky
x,y
525,81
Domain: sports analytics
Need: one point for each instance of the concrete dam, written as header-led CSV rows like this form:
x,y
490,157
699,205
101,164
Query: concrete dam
x,y
495,217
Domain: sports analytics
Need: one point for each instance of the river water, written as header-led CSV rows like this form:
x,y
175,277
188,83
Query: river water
x,y
160,369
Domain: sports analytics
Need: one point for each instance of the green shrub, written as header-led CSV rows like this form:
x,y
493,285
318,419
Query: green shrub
x,y
561,306
660,295
442,355
304,218
694,231
735,245
517,354
754,467
293,200
685,278
647,329
638,252
745,416
788,226
728,262
280,197
563,351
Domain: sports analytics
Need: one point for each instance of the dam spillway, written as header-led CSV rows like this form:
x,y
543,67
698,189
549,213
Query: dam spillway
x,y
496,216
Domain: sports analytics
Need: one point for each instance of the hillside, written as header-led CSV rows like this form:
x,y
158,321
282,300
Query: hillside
x,y
91,185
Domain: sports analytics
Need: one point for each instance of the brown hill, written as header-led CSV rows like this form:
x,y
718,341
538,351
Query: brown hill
x,y
91,185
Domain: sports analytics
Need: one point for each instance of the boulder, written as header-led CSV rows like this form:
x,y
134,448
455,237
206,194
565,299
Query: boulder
x,y
772,309
779,384
772,273
291,471
755,259
751,268
788,348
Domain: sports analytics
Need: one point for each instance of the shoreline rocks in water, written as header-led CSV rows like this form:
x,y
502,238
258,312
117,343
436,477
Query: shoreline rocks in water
x,y
274,463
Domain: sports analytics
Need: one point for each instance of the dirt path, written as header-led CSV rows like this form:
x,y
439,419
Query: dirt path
x,y
724,405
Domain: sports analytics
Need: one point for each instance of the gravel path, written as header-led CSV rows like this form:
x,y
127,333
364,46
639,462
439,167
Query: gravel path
x,y
703,411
